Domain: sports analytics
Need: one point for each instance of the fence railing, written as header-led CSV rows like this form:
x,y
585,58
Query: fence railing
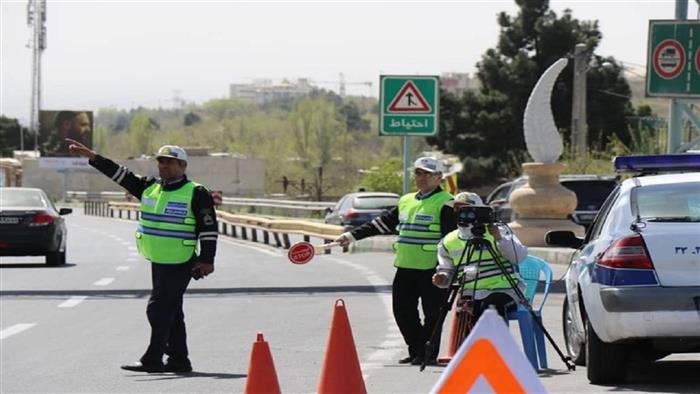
x,y
292,208
273,232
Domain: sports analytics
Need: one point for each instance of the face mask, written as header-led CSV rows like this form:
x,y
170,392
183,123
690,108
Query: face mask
x,y
465,232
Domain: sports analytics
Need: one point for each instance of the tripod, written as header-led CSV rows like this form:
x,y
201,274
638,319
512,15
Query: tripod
x,y
478,243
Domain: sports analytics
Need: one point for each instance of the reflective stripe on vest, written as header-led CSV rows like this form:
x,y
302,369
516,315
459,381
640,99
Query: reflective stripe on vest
x,y
490,275
166,233
419,230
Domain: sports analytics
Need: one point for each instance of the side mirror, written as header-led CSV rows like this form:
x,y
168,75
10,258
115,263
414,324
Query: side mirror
x,y
328,210
65,211
566,239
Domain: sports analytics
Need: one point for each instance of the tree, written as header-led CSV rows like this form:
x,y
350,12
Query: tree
x,y
10,136
485,127
315,129
141,133
387,178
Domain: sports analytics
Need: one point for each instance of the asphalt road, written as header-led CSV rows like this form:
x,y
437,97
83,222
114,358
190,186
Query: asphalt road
x,y
68,329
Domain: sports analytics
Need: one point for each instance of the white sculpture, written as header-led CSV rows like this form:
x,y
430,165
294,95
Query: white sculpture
x,y
541,135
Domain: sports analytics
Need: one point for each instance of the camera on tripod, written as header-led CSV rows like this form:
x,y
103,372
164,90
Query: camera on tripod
x,y
475,215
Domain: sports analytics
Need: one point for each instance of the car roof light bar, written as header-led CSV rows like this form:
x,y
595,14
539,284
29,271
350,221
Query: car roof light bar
x,y
657,163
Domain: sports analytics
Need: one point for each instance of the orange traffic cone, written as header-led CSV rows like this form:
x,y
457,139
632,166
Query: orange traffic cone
x,y
453,344
341,371
262,378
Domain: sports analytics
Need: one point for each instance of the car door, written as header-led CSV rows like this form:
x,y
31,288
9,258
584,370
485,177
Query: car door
x,y
578,273
333,216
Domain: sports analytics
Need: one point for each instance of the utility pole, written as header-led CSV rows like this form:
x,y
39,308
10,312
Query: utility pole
x,y
36,19
579,125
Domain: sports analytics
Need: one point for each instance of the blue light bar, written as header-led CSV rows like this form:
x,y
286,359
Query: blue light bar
x,y
658,163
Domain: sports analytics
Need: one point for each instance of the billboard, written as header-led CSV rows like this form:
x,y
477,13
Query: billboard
x,y
56,126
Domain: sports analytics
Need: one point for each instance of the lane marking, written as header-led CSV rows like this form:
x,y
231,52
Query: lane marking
x,y
123,268
132,248
393,343
16,329
273,252
104,282
71,302
132,259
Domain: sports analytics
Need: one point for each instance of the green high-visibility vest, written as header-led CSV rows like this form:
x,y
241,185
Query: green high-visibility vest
x,y
490,275
166,232
419,230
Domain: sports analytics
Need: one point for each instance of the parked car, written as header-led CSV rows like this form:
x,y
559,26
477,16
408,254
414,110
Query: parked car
x,y
591,191
30,225
355,209
633,285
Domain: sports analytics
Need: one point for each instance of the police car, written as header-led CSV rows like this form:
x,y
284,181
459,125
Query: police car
x,y
633,284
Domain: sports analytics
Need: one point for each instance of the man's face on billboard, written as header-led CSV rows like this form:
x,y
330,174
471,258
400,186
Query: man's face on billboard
x,y
81,123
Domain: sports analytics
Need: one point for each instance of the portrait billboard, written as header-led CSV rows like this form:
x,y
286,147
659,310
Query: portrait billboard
x,y
56,126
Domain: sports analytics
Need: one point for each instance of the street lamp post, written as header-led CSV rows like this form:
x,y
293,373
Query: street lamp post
x,y
579,125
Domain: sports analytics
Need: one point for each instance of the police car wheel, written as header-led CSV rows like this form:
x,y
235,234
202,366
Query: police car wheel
x,y
606,363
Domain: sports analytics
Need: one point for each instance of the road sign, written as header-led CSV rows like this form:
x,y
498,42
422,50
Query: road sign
x,y
301,253
409,105
673,58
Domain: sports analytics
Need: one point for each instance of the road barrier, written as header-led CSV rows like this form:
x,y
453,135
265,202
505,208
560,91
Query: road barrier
x,y
274,232
293,208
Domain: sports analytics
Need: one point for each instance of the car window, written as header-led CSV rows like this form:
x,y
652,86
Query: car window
x,y
500,194
602,215
379,202
590,194
669,202
346,204
339,204
22,198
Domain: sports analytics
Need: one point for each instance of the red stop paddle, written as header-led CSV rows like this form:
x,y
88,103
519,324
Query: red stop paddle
x,y
302,252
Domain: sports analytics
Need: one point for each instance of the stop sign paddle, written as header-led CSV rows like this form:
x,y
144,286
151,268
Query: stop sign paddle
x,y
301,252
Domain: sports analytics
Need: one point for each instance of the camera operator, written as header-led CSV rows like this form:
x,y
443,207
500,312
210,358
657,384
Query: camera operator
x,y
492,287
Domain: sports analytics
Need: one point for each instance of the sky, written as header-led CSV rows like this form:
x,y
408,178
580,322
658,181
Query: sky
x,y
127,54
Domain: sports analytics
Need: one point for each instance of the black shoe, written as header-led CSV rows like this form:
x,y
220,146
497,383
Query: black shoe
x,y
419,361
139,367
177,367
407,360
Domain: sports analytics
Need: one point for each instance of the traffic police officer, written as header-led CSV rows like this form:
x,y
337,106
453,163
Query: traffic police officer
x,y
176,213
489,285
422,219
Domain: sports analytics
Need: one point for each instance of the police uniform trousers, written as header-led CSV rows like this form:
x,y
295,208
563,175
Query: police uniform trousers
x,y
408,287
165,315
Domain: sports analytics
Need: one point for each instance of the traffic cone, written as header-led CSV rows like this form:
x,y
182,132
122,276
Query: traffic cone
x,y
341,371
262,378
454,342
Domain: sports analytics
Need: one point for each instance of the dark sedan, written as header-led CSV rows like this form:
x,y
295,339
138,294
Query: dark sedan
x,y
355,209
30,225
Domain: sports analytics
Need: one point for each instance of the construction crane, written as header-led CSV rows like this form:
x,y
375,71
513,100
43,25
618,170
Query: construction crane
x,y
341,84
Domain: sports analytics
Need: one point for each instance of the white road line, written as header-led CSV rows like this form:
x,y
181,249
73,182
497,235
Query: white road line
x,y
123,268
393,344
16,329
257,248
132,259
104,282
132,247
71,302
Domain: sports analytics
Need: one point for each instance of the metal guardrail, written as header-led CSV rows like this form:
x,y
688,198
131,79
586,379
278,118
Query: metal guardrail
x,y
246,227
254,204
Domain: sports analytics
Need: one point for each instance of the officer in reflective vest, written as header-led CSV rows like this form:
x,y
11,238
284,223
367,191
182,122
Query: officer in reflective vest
x,y
487,283
421,218
176,215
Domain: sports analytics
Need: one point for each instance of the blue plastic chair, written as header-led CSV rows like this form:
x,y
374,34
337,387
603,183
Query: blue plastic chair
x,y
531,334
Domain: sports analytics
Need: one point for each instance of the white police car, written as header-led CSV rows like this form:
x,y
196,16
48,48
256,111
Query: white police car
x,y
633,286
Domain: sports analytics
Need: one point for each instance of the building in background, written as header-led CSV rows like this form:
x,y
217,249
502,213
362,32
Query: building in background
x,y
457,83
263,91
